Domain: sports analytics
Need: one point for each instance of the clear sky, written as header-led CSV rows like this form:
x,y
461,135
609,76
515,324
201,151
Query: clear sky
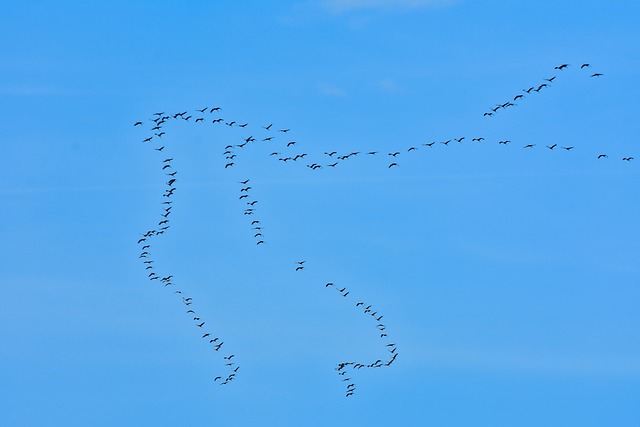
x,y
507,277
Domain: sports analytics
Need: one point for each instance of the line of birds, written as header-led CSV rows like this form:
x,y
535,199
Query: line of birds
x,y
342,367
285,150
256,225
148,262
536,88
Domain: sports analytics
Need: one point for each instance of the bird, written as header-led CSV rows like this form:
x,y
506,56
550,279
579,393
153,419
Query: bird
x,y
567,148
260,242
394,154
602,156
228,165
393,164
529,145
596,75
245,182
562,67
551,147
268,127
585,66
627,159
138,124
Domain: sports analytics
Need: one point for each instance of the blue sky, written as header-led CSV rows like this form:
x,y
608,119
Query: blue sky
x,y
507,277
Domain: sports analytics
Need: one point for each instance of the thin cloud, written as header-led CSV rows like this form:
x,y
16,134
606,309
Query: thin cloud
x,y
340,6
331,90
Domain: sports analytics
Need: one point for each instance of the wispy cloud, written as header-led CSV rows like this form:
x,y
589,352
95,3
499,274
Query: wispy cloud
x,y
328,89
340,6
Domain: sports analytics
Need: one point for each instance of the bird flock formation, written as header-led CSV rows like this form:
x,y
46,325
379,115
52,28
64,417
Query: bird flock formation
x,y
284,150
162,227
379,363
534,89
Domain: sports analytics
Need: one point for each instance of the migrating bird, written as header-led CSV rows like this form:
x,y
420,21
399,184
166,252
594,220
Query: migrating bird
x,y
562,67
596,75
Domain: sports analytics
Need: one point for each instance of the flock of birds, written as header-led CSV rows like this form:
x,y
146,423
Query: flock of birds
x,y
285,150
534,89
163,225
